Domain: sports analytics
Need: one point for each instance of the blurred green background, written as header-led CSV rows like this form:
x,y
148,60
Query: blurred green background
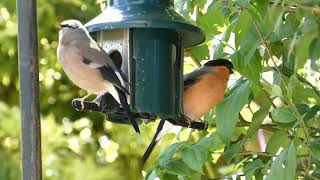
x,y
274,46
75,145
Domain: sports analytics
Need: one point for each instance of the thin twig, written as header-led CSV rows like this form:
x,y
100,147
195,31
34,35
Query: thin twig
x,y
258,153
194,60
225,43
268,49
293,8
304,127
268,127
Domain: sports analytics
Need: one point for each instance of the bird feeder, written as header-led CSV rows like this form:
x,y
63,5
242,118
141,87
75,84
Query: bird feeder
x,y
150,37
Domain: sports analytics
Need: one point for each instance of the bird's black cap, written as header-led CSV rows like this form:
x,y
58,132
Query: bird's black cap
x,y
73,24
220,62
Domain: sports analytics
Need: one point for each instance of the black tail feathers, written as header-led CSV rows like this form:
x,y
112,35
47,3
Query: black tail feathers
x,y
153,142
126,108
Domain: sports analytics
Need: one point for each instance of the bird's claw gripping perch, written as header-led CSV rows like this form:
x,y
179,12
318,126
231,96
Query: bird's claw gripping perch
x,y
85,105
81,107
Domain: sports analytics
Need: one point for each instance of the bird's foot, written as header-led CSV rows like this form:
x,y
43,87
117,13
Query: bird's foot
x,y
82,102
97,103
205,125
189,121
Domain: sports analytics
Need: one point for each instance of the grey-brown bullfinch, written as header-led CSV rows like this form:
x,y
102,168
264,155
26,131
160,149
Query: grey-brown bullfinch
x,y
89,67
203,89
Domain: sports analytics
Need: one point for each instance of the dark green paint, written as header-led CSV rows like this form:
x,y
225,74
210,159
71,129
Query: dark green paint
x,y
156,52
146,14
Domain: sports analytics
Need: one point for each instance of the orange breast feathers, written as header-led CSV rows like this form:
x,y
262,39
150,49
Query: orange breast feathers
x,y
209,89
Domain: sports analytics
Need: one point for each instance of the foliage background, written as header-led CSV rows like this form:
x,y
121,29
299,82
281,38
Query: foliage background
x,y
267,126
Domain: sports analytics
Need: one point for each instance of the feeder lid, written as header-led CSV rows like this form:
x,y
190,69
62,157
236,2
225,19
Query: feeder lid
x,y
146,16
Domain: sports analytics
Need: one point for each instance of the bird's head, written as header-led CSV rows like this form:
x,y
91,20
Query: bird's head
x,y
220,63
71,24
69,27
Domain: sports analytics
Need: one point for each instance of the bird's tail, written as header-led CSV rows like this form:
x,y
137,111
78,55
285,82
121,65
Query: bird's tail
x,y
126,108
153,143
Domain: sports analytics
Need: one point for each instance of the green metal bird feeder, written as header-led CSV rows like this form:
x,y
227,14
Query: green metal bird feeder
x,y
150,37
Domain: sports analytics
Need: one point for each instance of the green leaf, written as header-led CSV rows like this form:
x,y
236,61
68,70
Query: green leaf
x,y
302,50
284,166
194,157
262,7
249,45
277,140
277,48
218,49
233,149
211,20
200,52
183,7
251,70
210,143
243,3
250,168
228,109
292,85
177,167
283,114
152,175
168,153
241,27
315,149
274,90
314,49
289,28
312,112
257,119
169,176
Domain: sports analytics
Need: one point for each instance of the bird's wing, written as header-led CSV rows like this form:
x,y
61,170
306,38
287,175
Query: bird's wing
x,y
191,78
109,74
97,56
90,50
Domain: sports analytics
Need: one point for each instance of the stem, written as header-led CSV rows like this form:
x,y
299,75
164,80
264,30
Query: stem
x,y
293,8
195,60
258,153
208,168
298,115
225,43
268,50
270,127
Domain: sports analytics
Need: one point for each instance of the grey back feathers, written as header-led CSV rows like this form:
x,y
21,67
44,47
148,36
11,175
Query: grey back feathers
x,y
194,76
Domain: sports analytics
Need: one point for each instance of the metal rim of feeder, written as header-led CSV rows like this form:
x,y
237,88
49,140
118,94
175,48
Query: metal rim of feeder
x,y
146,15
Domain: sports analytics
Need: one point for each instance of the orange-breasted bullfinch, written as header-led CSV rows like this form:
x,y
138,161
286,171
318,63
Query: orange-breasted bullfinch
x,y
203,89
89,67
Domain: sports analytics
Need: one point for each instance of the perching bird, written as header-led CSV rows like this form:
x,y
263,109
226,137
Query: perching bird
x,y
89,67
203,89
